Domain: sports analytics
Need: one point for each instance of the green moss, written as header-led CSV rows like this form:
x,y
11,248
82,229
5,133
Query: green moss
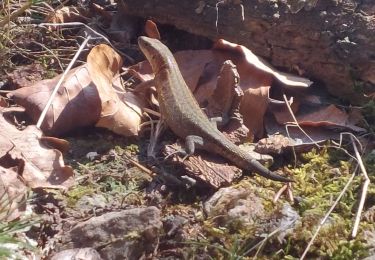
x,y
78,192
320,178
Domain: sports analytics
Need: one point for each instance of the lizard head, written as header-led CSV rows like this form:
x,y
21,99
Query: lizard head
x,y
155,51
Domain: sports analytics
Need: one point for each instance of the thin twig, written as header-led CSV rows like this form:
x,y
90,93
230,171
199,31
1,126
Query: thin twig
x,y
278,194
92,30
296,122
364,189
50,51
44,112
154,136
138,165
217,14
329,213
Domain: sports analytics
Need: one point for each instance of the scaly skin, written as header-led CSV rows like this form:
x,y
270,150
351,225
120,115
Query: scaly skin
x,y
183,115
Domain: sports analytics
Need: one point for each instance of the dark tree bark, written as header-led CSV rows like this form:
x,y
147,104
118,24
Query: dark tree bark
x,y
330,41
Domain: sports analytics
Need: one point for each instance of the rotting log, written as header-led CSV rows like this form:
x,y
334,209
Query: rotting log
x,y
329,41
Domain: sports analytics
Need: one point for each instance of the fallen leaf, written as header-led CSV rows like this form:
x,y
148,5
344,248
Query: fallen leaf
x,y
191,64
76,104
68,14
90,94
274,144
329,116
251,58
37,165
151,30
256,77
3,102
12,194
298,138
121,112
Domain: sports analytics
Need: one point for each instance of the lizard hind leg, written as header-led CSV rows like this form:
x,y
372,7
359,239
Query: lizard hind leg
x,y
191,142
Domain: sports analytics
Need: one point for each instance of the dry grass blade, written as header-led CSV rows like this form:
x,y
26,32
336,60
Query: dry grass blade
x,y
10,17
328,214
130,59
364,189
50,100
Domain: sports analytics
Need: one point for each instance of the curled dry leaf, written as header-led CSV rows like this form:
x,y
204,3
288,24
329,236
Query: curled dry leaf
x,y
121,112
256,77
68,14
251,58
151,30
329,116
76,104
12,194
3,102
274,144
298,139
89,94
37,165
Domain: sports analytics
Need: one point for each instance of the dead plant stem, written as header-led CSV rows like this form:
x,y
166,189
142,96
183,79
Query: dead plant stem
x,y
49,102
10,17
364,189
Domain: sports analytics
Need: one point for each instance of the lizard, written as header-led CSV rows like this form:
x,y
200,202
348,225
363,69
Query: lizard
x,y
183,115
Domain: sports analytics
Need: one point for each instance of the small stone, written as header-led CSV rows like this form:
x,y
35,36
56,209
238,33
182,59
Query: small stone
x,y
127,234
235,204
92,155
77,254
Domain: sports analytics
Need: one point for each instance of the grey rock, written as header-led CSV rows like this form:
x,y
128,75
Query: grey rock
x,y
238,204
288,219
77,254
127,234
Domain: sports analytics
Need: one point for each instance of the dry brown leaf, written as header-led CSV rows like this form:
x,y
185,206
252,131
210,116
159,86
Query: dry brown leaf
x,y
256,77
37,165
121,112
298,138
3,102
254,83
191,64
90,94
260,64
329,116
151,30
68,14
12,194
76,104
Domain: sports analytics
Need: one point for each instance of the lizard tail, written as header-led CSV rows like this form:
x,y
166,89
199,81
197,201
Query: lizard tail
x,y
245,161
264,172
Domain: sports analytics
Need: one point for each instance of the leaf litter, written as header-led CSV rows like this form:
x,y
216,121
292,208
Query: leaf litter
x,y
244,91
